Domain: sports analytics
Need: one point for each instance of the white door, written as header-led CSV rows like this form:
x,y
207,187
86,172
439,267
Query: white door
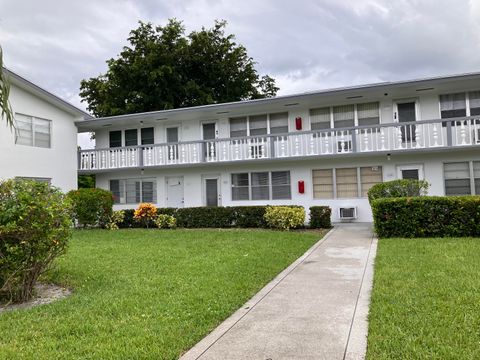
x,y
174,192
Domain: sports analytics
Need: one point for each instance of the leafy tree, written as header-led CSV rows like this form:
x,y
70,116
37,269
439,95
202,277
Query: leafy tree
x,y
5,109
163,69
86,181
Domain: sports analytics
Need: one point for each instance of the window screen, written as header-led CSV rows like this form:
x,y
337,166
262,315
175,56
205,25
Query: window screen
x,y
457,178
279,123
281,185
343,116
260,186
452,105
24,130
258,125
370,176
115,138
411,174
474,103
347,183
320,118
238,127
131,137
149,193
368,114
240,185
32,131
323,184
41,134
476,176
147,136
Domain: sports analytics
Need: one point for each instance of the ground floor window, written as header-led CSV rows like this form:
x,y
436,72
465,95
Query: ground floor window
x,y
462,178
345,182
264,185
39,179
133,191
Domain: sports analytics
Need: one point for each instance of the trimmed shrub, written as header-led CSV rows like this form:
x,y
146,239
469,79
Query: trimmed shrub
x,y
166,222
91,207
205,217
35,226
398,188
250,216
116,219
320,217
284,217
427,216
145,214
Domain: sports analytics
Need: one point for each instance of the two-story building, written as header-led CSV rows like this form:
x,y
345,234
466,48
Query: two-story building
x,y
319,148
43,146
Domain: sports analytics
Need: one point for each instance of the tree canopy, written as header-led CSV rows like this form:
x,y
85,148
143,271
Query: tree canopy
x,y
163,68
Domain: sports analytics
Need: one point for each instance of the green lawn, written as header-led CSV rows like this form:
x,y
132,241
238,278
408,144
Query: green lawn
x,y
147,294
426,300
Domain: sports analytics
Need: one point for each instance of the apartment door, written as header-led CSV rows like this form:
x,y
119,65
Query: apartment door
x,y
212,191
407,112
209,132
174,192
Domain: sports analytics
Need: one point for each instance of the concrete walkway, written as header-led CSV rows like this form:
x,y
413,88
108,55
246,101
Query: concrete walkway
x,y
315,309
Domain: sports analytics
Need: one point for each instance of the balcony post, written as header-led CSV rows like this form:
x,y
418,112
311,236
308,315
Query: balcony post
x,y
79,159
354,140
449,134
140,156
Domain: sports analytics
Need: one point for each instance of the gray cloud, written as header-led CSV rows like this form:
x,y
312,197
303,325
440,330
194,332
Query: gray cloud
x,y
304,44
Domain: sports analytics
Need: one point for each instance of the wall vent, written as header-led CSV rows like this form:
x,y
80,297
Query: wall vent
x,y
348,213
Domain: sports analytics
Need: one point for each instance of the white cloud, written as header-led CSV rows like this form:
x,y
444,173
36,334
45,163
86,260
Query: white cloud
x,y
305,45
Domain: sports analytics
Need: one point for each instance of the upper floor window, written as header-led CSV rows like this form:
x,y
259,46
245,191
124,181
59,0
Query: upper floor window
x,y
33,131
344,116
130,137
276,123
460,104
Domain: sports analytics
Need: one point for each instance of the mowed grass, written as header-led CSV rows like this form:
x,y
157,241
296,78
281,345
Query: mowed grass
x,y
147,294
426,300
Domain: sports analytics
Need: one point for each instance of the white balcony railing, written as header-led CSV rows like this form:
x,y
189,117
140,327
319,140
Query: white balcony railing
x,y
458,132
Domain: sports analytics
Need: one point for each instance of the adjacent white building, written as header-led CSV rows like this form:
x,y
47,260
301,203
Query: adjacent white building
x,y
319,148
44,144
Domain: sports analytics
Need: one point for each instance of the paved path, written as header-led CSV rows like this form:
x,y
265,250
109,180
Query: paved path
x,y
315,309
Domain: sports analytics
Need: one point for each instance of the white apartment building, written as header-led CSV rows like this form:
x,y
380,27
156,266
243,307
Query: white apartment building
x,y
44,144
319,148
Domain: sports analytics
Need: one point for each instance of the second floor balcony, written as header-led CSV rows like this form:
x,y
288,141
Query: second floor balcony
x,y
393,137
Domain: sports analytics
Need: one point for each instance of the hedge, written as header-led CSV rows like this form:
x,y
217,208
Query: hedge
x,y
213,217
398,188
320,217
91,207
427,216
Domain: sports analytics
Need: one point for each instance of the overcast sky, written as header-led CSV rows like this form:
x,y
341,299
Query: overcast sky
x,y
305,45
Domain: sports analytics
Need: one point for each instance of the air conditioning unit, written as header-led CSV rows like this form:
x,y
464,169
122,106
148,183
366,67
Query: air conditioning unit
x,y
347,213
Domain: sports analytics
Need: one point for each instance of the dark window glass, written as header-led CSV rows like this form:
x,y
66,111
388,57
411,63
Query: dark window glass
x,y
147,135
240,186
115,189
131,138
115,138
281,185
410,174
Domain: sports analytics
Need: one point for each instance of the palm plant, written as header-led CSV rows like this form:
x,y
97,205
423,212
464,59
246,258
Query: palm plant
x,y
5,108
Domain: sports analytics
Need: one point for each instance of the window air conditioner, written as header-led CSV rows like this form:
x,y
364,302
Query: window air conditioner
x,y
348,213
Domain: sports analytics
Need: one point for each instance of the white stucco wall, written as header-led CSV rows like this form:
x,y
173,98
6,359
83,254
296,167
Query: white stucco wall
x,y
58,162
194,192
